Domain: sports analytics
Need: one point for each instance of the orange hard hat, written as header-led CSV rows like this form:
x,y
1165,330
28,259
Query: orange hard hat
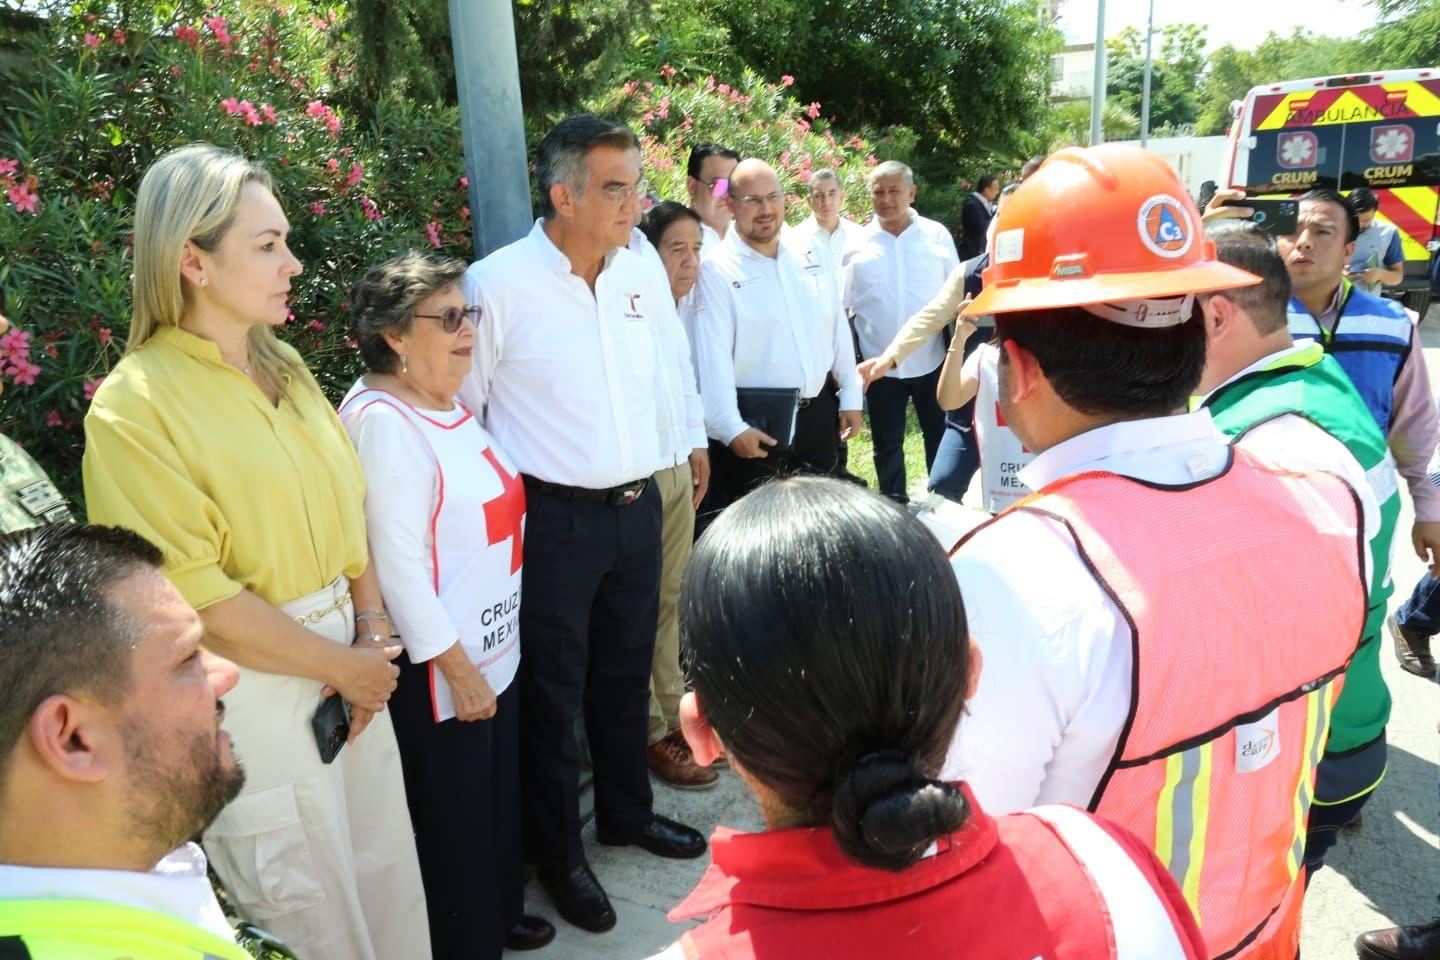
x,y
1097,225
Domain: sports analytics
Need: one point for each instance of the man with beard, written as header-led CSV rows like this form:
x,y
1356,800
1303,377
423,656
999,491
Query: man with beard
x,y
767,317
111,753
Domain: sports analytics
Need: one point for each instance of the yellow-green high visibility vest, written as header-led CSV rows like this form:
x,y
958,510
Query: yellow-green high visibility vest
x,y
102,930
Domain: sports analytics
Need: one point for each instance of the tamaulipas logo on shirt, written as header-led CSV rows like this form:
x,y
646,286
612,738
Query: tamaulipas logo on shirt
x,y
634,312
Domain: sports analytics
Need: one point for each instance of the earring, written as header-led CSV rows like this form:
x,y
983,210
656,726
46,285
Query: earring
x,y
204,281
404,364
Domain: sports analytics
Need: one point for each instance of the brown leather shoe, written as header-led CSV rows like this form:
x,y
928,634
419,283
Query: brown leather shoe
x,y
669,759
1419,942
1412,650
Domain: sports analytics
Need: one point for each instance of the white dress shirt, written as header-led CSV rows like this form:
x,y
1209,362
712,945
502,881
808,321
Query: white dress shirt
x,y
709,239
767,322
568,379
825,244
681,417
177,886
1054,689
886,279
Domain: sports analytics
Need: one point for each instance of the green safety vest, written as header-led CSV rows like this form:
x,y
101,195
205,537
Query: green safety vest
x,y
1312,385
102,930
27,497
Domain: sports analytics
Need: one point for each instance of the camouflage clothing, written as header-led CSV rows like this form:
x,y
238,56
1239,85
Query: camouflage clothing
x,y
27,497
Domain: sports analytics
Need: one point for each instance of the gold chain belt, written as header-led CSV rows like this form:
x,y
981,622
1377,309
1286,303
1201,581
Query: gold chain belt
x,y
317,615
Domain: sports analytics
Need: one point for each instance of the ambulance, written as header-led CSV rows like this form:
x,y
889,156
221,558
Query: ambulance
x,y
1377,130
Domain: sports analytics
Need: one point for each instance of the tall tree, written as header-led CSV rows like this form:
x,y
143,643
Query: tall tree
x,y
1177,58
1233,72
1409,36
968,74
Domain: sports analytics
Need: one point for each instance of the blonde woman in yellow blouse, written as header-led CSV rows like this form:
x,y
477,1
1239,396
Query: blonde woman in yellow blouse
x,y
212,439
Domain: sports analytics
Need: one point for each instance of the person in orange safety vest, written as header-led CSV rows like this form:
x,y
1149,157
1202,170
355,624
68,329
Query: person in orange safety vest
x,y
1165,621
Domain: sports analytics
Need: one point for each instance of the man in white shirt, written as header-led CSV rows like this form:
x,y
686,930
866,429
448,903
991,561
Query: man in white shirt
x,y
671,233
825,230
892,270
767,317
111,752
1151,549
707,181
568,363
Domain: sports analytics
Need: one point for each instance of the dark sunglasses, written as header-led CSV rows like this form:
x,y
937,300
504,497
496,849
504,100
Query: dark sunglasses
x,y
452,317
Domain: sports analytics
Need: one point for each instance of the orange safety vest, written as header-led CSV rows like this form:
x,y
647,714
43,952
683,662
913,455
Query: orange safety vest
x,y
1245,598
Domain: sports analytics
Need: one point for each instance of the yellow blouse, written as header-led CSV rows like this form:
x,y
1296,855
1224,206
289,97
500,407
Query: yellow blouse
x,y
184,449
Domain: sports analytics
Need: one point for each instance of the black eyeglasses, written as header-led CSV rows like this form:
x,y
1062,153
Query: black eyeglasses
x,y
452,317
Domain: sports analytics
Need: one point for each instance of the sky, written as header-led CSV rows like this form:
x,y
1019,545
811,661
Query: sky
x,y
1243,23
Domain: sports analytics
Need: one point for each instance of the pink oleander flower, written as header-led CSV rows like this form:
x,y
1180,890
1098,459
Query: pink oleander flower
x,y
53,419
104,334
432,230
316,109
333,123
648,118
15,347
175,70
786,80
371,211
23,373
663,112
91,40
332,165
464,213
187,35
814,109
268,112
90,387
464,182
723,88
24,199
220,29
249,114
230,105
8,166
318,209
315,325
667,71
355,175
118,36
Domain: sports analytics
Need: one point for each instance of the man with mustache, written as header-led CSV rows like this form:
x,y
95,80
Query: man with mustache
x,y
112,754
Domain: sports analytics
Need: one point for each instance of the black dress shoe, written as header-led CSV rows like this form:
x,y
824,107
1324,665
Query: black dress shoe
x,y
661,836
1418,942
580,898
531,933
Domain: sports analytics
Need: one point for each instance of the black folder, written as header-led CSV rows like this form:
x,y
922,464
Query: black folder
x,y
771,409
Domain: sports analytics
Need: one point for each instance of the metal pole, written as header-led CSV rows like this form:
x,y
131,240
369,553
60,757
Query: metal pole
x,y
1145,95
1097,94
487,75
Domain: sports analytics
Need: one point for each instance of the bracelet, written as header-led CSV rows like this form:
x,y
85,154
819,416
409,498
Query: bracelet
x,y
370,637
373,615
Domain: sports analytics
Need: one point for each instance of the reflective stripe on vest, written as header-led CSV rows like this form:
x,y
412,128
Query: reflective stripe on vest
x,y
1371,340
1215,766
103,930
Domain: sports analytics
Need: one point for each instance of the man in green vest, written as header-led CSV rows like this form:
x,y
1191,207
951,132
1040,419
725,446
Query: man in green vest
x,y
1259,385
111,753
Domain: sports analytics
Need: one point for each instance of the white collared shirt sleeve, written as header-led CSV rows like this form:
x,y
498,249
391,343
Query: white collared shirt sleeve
x,y
1054,685
400,498
714,345
851,392
486,352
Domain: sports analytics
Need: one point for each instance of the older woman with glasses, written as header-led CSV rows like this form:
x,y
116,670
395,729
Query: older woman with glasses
x,y
445,510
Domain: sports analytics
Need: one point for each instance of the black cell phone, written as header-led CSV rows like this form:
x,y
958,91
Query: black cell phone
x,y
1279,218
1207,193
331,724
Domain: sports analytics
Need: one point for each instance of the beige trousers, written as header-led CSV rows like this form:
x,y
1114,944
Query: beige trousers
x,y
677,535
321,855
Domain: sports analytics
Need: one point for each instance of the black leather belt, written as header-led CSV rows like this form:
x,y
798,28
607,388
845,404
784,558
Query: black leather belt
x,y
621,496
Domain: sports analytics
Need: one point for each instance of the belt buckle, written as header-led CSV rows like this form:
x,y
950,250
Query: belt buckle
x,y
623,498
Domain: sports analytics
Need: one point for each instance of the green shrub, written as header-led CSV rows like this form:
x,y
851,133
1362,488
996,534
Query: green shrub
x,y
95,102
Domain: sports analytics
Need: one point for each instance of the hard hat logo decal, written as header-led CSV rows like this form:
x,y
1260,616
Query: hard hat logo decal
x,y
1165,226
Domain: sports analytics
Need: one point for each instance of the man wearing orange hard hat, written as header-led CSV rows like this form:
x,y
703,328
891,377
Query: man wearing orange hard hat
x,y
1165,621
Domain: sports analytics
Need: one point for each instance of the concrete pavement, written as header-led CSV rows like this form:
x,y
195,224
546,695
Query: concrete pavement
x,y
1384,873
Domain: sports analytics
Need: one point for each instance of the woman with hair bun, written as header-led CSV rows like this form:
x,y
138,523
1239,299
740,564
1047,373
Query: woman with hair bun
x,y
830,661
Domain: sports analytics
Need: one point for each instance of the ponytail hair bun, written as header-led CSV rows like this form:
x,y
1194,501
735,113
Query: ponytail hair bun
x,y
886,813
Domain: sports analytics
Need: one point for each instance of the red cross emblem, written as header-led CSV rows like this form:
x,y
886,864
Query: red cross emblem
x,y
505,514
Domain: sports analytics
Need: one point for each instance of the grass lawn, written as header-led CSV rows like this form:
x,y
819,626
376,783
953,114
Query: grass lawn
x,y
862,459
